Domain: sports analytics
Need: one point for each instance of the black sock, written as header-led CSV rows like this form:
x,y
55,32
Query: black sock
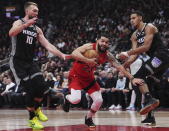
x,y
150,114
37,105
31,115
147,95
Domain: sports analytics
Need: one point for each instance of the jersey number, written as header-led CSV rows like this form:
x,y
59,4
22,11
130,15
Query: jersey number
x,y
29,39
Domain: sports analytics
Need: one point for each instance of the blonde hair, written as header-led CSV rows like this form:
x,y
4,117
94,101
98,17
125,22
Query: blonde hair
x,y
27,4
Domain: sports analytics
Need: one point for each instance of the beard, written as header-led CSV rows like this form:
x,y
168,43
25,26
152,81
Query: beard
x,y
30,17
101,49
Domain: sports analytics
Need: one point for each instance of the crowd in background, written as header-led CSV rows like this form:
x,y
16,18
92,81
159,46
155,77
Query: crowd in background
x,y
69,24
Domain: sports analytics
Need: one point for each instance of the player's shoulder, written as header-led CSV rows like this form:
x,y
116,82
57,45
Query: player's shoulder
x,y
84,47
133,36
88,45
151,26
17,22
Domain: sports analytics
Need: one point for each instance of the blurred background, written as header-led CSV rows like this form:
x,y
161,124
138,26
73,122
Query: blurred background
x,y
68,24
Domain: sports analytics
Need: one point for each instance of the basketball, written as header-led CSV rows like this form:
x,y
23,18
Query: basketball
x,y
91,54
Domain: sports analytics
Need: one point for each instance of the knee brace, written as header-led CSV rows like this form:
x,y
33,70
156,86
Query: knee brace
x,y
97,100
97,104
142,73
75,96
29,100
138,96
40,86
75,100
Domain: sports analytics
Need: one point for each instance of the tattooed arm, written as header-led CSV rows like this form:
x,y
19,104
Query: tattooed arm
x,y
118,66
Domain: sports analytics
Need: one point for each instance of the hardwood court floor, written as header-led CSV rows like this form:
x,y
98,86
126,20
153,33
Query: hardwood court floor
x,y
16,120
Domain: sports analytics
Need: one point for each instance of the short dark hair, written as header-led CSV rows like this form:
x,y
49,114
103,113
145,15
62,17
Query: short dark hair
x,y
139,13
103,34
27,4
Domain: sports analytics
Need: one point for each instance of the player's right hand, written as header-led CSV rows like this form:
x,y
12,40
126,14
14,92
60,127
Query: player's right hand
x,y
137,82
31,21
66,56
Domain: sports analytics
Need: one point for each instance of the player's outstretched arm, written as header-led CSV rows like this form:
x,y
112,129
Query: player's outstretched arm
x,y
119,67
51,48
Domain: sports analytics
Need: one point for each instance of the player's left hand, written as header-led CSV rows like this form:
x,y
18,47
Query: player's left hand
x,y
123,56
137,82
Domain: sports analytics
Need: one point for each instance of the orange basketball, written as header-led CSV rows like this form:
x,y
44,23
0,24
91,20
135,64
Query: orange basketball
x,y
91,54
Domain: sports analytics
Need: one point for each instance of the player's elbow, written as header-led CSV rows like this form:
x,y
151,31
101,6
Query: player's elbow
x,y
12,33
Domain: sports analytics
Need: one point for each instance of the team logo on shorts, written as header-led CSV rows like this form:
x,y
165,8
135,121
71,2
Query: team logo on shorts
x,y
156,62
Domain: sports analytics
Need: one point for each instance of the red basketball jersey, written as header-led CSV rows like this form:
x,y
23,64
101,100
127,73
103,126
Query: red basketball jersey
x,y
83,70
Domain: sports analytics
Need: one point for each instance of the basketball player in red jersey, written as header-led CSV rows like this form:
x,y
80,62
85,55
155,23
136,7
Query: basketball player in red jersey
x,y
81,76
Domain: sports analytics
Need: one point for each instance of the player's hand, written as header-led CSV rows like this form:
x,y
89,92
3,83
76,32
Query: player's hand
x,y
31,21
137,82
66,57
123,56
92,61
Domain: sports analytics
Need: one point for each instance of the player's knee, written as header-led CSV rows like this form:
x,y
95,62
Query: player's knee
x,y
76,100
98,102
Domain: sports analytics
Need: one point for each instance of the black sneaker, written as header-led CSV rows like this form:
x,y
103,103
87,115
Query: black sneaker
x,y
149,121
66,105
89,122
151,104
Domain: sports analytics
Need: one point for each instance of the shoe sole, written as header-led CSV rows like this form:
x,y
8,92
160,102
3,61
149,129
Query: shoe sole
x,y
35,128
149,108
91,127
150,124
43,120
65,110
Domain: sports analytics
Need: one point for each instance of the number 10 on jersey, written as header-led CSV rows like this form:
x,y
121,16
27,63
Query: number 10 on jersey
x,y
29,39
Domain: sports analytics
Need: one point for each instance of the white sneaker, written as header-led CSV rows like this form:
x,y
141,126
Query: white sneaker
x,y
118,107
130,108
111,107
